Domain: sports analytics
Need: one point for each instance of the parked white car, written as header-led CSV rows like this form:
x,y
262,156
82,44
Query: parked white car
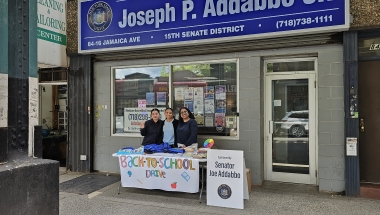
x,y
296,123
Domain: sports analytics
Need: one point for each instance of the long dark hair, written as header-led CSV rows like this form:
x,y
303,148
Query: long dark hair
x,y
191,115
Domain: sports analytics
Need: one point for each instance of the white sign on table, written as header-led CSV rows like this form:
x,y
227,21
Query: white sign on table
x,y
160,172
226,178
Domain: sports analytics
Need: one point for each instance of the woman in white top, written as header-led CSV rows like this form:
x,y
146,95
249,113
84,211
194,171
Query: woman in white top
x,y
169,128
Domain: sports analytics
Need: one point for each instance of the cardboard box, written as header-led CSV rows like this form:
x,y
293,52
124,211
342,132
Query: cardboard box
x,y
249,182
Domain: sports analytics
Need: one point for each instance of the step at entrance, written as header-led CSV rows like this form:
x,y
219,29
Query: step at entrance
x,y
368,190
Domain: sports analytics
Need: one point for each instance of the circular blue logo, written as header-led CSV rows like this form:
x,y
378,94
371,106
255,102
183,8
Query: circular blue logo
x,y
99,16
224,191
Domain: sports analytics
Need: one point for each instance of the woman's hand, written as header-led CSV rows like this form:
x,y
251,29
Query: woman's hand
x,y
142,125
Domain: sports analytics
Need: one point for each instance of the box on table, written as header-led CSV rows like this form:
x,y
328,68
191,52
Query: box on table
x,y
248,172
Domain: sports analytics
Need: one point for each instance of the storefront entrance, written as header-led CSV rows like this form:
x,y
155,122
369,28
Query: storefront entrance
x,y
369,120
290,122
53,114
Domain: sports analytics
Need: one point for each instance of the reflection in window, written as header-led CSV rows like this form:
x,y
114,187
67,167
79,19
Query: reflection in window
x,y
369,47
137,91
290,66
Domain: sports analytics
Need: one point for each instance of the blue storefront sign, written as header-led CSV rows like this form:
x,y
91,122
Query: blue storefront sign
x,y
129,24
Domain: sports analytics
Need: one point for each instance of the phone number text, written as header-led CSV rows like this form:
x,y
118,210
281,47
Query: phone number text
x,y
303,21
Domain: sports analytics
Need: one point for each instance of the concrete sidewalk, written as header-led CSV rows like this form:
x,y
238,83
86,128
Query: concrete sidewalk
x,y
272,198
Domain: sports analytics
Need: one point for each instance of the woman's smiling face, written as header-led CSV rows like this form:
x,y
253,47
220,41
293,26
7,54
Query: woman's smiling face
x,y
155,115
169,114
184,113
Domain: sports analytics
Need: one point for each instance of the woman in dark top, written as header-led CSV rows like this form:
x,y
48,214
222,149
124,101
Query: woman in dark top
x,y
169,128
152,129
187,129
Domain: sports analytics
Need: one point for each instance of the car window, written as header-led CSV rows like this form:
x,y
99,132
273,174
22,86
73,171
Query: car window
x,y
299,115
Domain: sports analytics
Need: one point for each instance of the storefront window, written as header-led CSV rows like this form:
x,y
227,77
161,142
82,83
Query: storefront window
x,y
207,89
137,91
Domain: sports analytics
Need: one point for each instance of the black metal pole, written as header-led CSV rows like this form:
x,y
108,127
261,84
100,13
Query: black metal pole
x,y
19,52
352,170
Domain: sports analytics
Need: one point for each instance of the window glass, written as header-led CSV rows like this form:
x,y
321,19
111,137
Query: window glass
x,y
369,47
209,91
290,66
137,91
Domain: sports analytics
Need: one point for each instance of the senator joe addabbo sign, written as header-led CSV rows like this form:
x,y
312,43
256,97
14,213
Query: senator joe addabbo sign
x,y
130,24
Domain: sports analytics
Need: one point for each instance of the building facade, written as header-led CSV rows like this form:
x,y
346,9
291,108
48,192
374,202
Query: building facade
x,y
283,100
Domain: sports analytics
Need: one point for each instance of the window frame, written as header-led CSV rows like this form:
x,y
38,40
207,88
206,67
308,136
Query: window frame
x,y
170,101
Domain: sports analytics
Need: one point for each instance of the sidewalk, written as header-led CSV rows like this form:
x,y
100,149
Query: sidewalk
x,y
272,198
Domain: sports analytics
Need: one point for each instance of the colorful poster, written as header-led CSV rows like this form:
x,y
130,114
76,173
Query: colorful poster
x,y
209,106
209,92
220,120
198,93
198,107
168,176
220,92
141,103
150,99
220,106
178,94
199,118
161,98
188,93
189,105
209,120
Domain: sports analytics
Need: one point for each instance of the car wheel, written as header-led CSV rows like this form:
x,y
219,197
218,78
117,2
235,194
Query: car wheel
x,y
297,131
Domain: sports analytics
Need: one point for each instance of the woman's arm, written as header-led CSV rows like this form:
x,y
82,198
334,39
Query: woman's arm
x,y
193,133
143,128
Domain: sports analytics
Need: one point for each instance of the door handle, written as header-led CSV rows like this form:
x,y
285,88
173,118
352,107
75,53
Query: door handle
x,y
270,126
361,125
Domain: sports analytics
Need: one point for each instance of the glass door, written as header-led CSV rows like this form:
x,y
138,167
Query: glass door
x,y
290,128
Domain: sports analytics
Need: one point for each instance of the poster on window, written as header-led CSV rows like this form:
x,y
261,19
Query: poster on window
x,y
178,94
209,106
198,93
189,105
188,92
141,103
209,93
150,99
220,119
209,120
220,106
161,98
198,107
133,117
220,92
